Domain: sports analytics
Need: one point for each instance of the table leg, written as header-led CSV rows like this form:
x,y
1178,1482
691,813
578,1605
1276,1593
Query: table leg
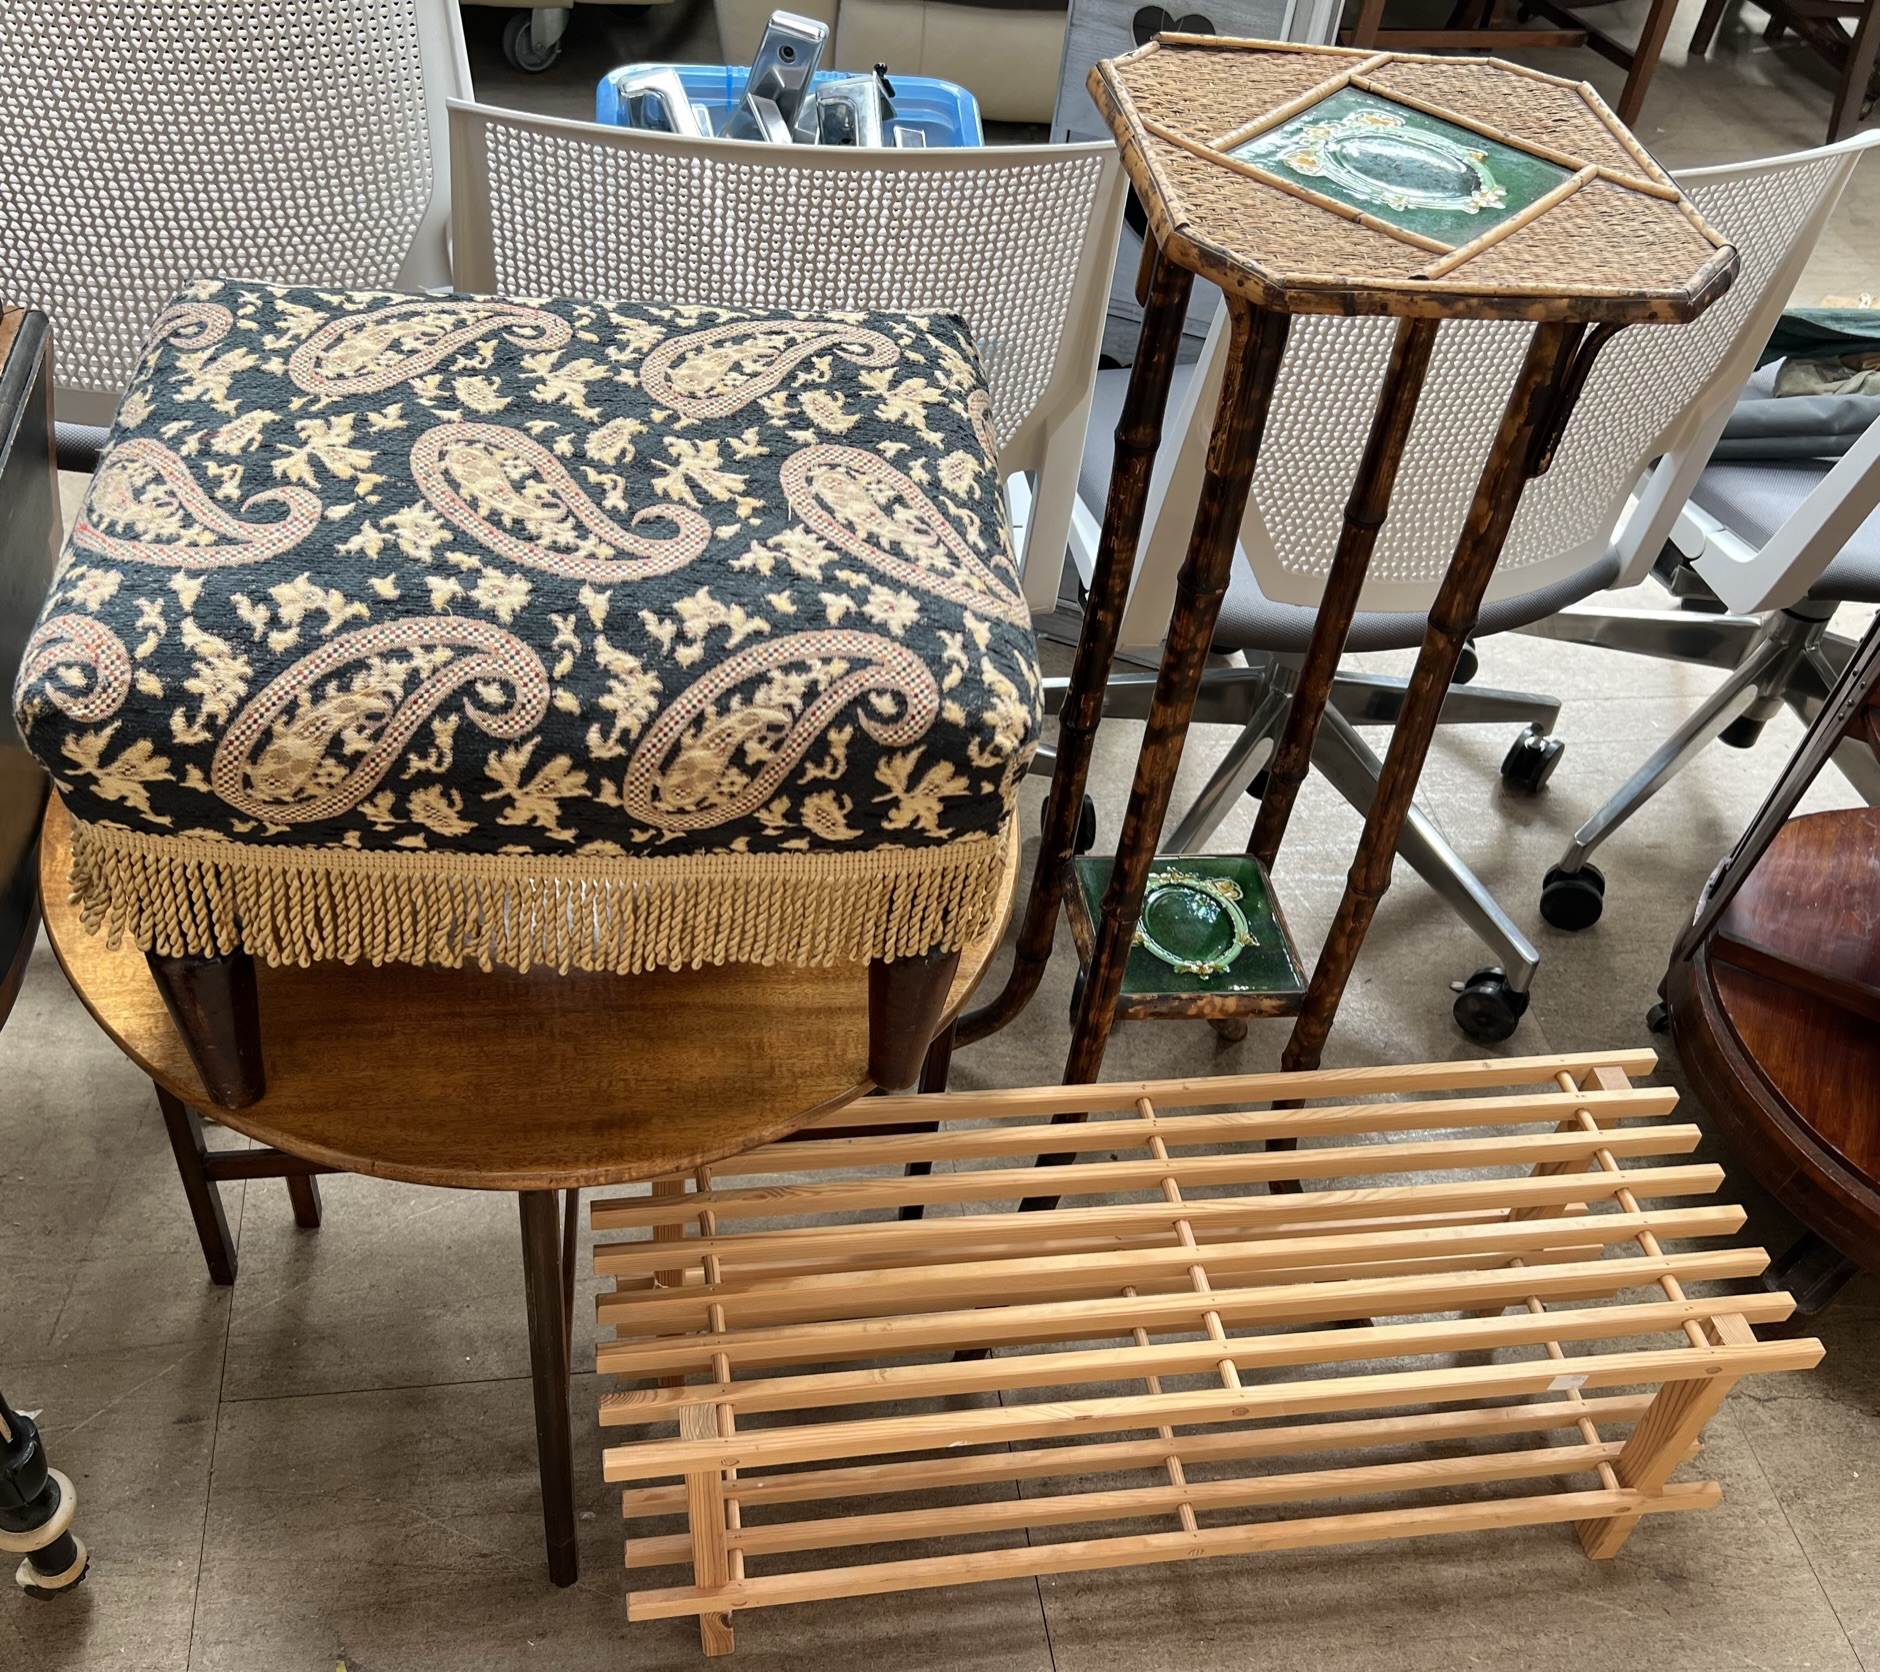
x,y
204,1195
542,1282
1365,511
1651,42
1253,359
1549,379
1138,436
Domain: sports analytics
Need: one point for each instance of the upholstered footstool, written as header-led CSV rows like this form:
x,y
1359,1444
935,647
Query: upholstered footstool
x,y
537,632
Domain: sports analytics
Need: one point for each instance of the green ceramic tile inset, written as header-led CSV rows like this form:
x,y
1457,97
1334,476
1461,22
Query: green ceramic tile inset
x,y
1192,927
1411,170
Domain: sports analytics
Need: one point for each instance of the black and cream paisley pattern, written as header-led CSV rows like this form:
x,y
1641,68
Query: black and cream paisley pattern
x,y
540,576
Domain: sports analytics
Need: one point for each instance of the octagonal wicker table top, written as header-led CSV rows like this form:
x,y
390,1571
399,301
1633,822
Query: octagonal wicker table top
x,y
1327,180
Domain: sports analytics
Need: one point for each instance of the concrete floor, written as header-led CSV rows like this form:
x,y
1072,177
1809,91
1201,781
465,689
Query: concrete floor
x,y
332,1462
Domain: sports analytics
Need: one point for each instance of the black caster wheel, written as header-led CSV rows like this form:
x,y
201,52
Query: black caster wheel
x,y
1658,1018
1231,1029
1531,760
1468,665
520,49
1086,837
1487,1008
1741,734
1573,900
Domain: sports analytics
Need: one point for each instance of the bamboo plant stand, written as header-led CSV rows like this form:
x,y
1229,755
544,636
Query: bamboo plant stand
x,y
1160,1369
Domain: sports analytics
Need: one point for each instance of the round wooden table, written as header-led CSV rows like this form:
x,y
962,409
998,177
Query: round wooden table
x,y
536,1083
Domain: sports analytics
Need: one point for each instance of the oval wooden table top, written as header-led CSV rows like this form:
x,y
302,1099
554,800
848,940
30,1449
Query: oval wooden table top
x,y
508,1081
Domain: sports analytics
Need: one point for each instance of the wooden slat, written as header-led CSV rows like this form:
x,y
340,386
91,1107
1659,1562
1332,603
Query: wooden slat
x,y
958,1377
1234,1126
1099,1457
1033,1561
823,1442
1153,1219
837,1532
1101,1177
1065,1278
1475,1074
1111,1348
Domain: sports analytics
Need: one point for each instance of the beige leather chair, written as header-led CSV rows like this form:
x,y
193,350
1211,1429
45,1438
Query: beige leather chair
x,y
1004,52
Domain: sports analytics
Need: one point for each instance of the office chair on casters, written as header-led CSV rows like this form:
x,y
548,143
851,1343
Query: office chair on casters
x,y
1781,546
1660,395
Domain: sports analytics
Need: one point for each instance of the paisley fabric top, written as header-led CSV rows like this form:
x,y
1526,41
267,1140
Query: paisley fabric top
x,y
373,573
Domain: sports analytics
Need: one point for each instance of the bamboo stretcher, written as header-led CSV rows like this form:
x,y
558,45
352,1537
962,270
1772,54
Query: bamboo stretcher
x,y
1450,1308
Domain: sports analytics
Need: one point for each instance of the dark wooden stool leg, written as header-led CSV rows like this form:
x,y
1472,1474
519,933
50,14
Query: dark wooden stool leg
x,y
542,1283
1651,42
217,1011
303,1190
933,1077
1814,1271
906,997
184,1126
1706,29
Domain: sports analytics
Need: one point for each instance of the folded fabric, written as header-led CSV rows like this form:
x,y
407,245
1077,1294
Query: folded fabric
x,y
539,630
1805,332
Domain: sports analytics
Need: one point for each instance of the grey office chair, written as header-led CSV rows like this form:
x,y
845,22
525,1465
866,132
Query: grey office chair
x,y
1595,520
1780,546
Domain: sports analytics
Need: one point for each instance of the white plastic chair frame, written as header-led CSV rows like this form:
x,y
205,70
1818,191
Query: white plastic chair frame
x,y
145,143
1657,393
1019,240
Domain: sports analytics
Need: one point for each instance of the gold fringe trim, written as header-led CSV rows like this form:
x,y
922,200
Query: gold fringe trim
x,y
180,894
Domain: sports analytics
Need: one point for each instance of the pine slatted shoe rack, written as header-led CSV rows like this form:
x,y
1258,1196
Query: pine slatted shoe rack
x,y
842,1346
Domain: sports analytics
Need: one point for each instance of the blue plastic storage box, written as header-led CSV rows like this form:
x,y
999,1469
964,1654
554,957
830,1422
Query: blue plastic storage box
x,y
945,113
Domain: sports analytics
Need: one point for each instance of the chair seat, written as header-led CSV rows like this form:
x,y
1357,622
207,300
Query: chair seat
x,y
1249,620
599,635
1754,500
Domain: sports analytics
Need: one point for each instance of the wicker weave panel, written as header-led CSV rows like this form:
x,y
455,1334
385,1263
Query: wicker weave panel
x,y
1203,94
1234,210
1643,379
1602,234
1542,111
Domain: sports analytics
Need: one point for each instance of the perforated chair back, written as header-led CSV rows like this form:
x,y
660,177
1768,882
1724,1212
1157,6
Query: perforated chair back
x,y
1657,392
148,142
1017,240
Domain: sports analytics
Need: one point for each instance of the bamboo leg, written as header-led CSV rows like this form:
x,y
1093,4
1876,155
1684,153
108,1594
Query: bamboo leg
x,y
1365,511
1530,418
1258,341
1138,436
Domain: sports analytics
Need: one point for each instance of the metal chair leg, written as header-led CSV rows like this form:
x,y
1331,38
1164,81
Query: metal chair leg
x,y
1250,751
1710,641
1352,769
1733,698
1376,700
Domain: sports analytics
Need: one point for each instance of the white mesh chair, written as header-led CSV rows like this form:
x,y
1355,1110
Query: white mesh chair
x,y
1595,520
1019,241
148,142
